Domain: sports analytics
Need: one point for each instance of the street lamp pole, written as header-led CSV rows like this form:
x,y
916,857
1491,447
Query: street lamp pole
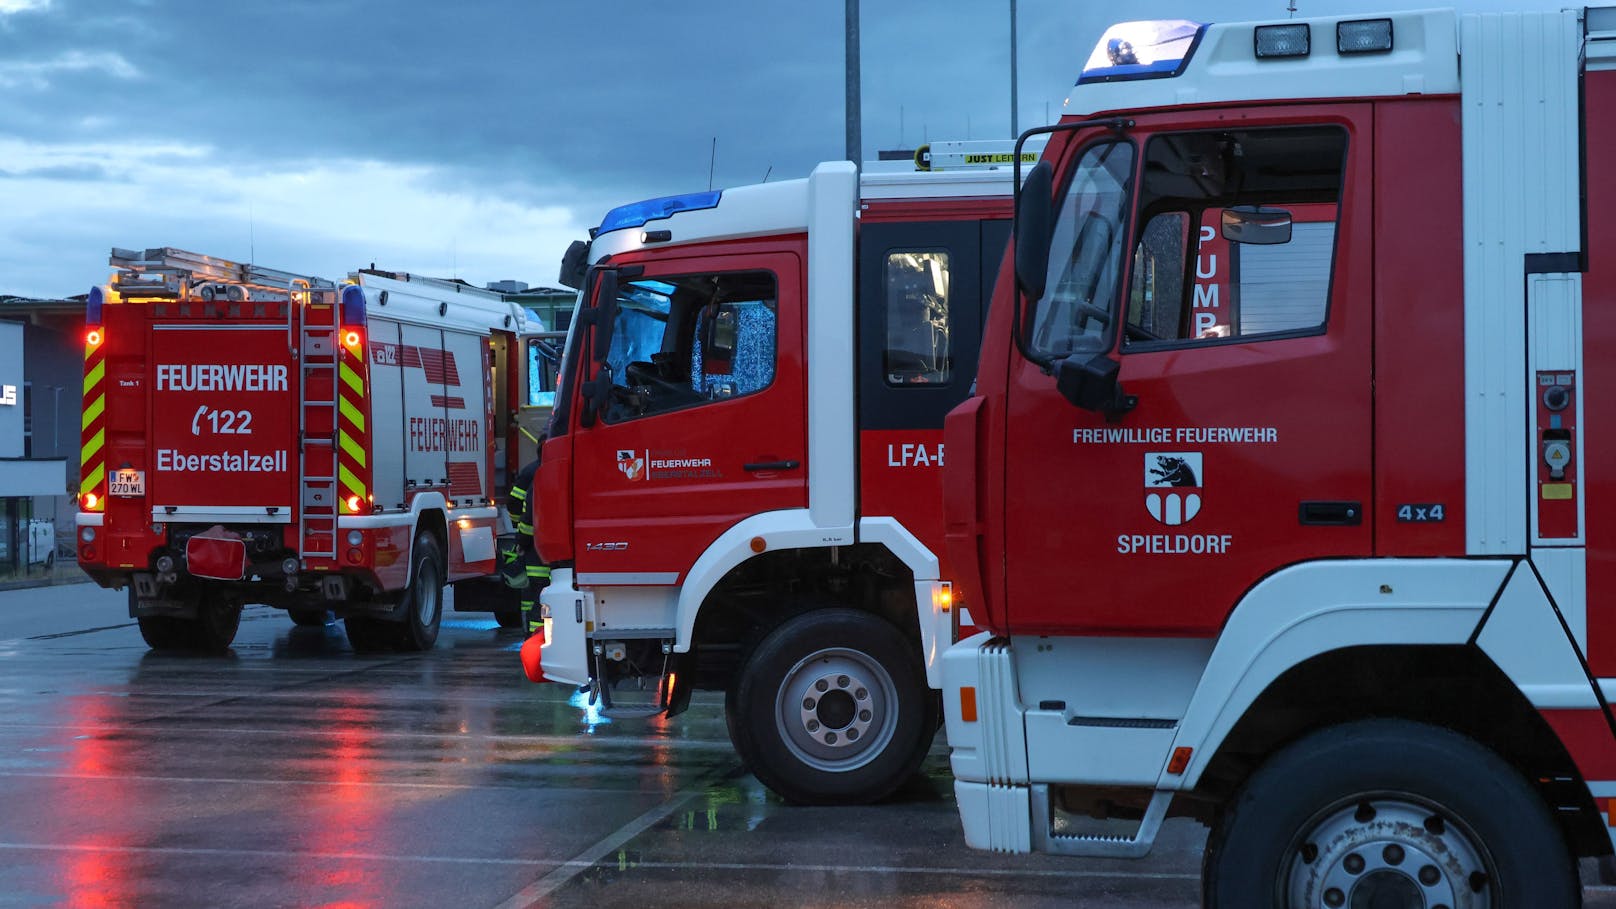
x,y
855,142
56,431
1014,129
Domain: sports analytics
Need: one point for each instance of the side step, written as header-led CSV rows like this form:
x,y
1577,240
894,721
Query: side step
x,y
1136,846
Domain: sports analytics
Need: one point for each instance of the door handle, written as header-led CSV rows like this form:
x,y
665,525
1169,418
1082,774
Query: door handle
x,y
772,465
1330,514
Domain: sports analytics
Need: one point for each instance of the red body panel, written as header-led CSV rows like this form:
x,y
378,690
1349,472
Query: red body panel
x,y
692,484
1300,414
460,568
1586,735
223,417
1599,333
901,475
553,482
1419,327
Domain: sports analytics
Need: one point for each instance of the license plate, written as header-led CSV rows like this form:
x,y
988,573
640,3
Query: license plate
x,y
129,483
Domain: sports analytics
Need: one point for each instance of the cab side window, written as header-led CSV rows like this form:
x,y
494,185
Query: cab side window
x,y
688,340
917,348
1239,235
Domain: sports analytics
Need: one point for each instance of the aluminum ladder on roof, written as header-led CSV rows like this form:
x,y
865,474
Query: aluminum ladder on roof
x,y
314,314
164,271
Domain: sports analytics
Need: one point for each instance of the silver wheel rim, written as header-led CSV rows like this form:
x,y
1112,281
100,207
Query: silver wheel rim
x,y
1388,850
426,599
837,709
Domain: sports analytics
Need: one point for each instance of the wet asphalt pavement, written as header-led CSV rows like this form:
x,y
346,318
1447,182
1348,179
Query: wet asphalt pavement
x,y
293,772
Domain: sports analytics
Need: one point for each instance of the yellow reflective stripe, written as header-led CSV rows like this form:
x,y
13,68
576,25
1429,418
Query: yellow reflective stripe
x,y
94,410
352,380
94,445
519,494
351,482
353,414
353,448
525,528
94,376
92,480
540,571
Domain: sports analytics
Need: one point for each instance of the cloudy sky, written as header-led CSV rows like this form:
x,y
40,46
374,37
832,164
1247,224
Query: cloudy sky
x,y
477,138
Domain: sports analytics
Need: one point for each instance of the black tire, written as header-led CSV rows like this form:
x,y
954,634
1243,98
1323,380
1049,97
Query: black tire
x,y
211,631
423,598
216,623
367,634
1362,806
872,717
310,618
163,632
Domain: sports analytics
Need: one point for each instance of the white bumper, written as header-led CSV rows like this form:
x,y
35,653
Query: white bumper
x,y
568,612
987,736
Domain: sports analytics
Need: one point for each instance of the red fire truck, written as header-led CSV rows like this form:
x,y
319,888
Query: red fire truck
x,y
1312,558
253,435
741,490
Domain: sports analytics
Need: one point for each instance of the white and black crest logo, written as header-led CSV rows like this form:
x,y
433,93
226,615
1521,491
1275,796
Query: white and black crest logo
x,y
1173,481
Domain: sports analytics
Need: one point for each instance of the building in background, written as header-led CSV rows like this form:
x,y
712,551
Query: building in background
x,y
34,496
553,305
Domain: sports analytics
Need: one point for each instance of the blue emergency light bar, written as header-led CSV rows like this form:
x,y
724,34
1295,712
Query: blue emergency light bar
x,y
638,213
353,305
1152,49
93,304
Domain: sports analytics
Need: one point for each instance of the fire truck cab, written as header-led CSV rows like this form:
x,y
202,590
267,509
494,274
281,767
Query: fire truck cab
x,y
1280,492
257,436
741,491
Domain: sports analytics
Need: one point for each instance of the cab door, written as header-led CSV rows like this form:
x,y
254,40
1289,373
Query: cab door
x,y
1237,439
697,415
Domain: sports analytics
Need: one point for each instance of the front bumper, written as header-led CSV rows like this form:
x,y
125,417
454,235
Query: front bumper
x,y
569,615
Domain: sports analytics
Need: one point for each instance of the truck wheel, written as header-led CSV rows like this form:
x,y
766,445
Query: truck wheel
x,y
310,618
163,632
423,599
832,708
369,635
214,628
1388,813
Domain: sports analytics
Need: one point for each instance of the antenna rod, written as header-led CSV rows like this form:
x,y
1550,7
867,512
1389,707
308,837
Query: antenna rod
x,y
711,160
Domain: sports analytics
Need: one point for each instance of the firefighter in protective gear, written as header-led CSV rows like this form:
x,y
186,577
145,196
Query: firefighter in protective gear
x,y
521,568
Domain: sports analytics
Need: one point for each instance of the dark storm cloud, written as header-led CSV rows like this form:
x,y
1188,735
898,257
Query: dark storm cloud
x,y
606,101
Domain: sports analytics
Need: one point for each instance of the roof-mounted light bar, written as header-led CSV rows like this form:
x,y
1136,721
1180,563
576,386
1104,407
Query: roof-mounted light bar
x,y
1277,42
638,213
1364,36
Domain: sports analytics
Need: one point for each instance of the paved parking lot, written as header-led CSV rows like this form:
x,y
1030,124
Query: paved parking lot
x,y
295,773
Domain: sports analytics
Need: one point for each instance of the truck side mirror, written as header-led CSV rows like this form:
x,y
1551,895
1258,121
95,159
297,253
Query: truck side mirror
x,y
1034,216
718,333
1257,225
1092,384
575,265
605,321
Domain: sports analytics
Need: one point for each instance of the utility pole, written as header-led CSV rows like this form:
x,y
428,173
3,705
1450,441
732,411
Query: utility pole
x,y
855,142
1014,129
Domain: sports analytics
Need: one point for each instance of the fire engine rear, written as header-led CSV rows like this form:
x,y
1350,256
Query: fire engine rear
x,y
252,435
1285,491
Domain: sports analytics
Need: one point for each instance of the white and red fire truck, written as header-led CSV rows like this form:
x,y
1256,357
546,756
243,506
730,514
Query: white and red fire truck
x,y
253,435
1309,542
742,491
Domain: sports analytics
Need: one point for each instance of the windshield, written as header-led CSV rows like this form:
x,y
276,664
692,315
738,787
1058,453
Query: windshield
x,y
1085,256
